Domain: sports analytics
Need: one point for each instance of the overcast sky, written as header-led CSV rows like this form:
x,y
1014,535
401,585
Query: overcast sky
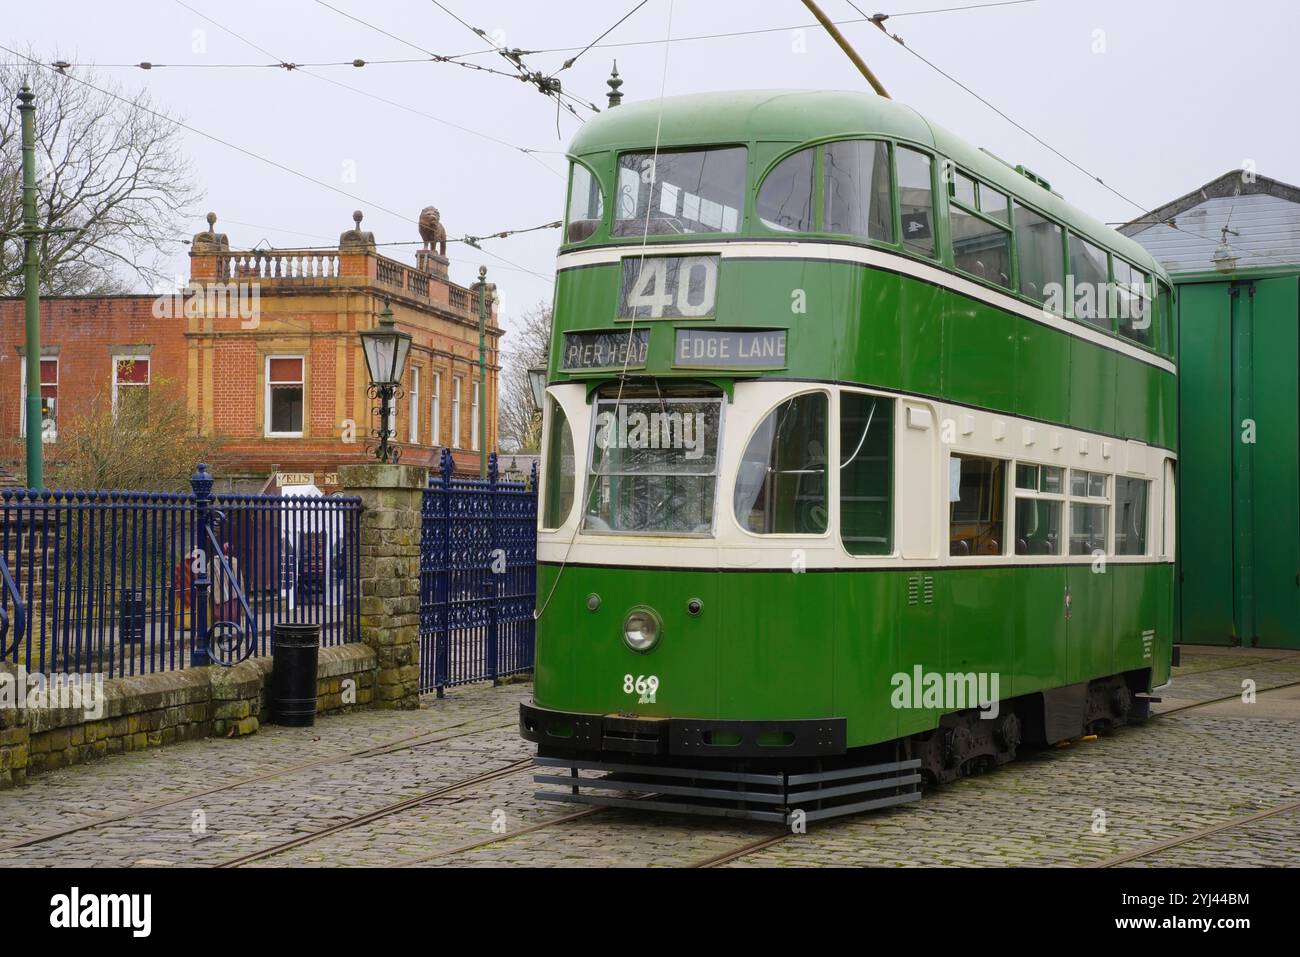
x,y
1156,97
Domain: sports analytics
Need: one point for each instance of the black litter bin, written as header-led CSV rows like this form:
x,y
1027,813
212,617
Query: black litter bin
x,y
130,612
293,674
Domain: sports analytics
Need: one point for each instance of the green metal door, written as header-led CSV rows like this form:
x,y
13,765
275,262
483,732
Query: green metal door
x,y
1275,316
1206,437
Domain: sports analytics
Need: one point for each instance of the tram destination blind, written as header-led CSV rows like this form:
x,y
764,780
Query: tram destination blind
x,y
605,350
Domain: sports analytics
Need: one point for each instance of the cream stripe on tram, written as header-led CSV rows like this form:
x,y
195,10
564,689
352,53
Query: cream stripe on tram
x,y
920,484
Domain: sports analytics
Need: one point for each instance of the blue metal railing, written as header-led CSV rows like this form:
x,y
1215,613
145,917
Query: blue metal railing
x,y
134,582
478,557
10,596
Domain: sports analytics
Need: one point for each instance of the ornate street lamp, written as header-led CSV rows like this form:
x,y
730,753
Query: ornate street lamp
x,y
537,382
386,350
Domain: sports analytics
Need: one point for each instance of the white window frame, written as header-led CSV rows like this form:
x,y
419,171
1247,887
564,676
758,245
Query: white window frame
x,y
50,437
435,411
1107,500
1062,498
413,429
474,415
133,385
266,397
455,411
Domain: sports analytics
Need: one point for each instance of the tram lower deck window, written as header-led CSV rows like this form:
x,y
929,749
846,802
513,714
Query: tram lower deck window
x,y
781,486
976,512
654,465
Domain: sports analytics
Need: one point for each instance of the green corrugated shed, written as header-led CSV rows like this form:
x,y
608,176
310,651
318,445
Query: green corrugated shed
x,y
1232,249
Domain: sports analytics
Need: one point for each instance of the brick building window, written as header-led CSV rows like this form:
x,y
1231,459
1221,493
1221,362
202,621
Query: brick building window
x,y
284,396
49,399
131,376
413,433
473,421
455,412
435,411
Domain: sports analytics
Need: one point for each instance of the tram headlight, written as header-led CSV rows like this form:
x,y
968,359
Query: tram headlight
x,y
641,629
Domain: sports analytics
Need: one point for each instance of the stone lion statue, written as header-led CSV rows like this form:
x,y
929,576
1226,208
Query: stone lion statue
x,y
432,231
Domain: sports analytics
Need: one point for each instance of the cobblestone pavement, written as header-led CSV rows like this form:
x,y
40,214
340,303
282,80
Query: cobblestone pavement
x,y
1080,805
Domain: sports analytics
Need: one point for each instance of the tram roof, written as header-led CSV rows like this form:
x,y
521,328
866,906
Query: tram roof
x,y
796,116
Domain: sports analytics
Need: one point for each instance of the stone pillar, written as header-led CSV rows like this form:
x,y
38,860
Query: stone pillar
x,y
428,261
391,497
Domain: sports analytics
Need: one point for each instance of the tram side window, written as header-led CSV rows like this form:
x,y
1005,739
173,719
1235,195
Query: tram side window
x,y
916,201
1041,257
560,470
1133,302
1131,496
866,474
785,200
699,191
980,247
1089,270
1089,512
586,204
1038,518
855,184
976,509
781,486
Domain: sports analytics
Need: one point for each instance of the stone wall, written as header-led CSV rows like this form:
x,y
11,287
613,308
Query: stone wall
x,y
158,709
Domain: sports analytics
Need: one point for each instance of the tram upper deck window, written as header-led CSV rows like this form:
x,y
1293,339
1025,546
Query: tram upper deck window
x,y
781,486
654,464
1041,257
976,509
1133,303
696,191
1088,268
560,469
855,183
586,204
981,246
916,201
785,200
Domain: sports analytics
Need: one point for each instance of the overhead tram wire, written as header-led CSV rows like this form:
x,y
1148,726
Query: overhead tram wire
x,y
548,85
374,96
879,21
243,150
748,33
627,355
574,59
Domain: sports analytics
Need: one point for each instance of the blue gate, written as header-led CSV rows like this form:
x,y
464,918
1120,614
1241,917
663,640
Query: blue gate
x,y
478,558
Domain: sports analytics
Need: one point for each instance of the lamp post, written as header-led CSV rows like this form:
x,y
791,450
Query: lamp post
x,y
537,383
386,349
32,293
482,372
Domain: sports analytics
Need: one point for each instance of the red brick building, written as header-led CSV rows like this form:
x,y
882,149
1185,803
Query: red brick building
x,y
266,344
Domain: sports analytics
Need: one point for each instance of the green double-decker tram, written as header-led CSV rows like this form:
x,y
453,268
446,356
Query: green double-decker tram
x,y
858,462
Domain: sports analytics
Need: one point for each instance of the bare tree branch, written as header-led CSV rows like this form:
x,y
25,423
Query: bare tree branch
x,y
110,171
518,422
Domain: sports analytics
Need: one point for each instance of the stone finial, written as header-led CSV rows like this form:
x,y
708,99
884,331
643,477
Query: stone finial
x,y
357,238
614,82
210,241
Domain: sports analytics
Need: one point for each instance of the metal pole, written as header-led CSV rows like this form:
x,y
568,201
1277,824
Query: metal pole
x,y
482,373
32,291
852,54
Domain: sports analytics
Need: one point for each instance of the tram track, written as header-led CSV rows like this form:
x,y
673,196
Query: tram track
x,y
1197,835
379,813
397,744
